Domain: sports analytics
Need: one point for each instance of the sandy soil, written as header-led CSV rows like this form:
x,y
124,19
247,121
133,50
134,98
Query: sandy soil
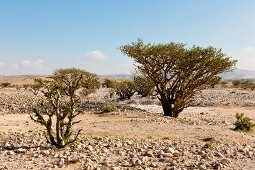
x,y
194,124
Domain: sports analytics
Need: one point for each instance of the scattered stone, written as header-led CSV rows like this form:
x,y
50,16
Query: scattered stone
x,y
21,150
61,163
169,150
149,154
138,162
10,153
202,167
115,168
218,154
89,147
9,146
167,155
225,161
101,153
45,152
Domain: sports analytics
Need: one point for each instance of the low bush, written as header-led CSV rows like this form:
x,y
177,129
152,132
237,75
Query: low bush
x,y
26,86
243,123
5,84
208,145
124,89
142,85
109,108
215,81
244,85
247,85
108,83
224,84
236,83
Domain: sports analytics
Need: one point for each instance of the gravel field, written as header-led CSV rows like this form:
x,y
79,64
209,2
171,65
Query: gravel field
x,y
134,137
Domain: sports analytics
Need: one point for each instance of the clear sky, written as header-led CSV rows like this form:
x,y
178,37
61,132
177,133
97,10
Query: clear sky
x,y
37,37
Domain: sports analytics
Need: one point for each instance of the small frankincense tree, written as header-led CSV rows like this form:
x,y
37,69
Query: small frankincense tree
x,y
124,89
143,85
59,100
177,72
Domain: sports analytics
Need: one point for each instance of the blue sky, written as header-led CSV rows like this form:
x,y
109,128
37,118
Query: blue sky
x,y
37,37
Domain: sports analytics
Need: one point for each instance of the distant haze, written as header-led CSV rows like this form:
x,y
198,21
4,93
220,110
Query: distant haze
x,y
235,74
239,74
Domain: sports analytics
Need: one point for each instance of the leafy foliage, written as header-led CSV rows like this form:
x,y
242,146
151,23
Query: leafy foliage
x,y
58,106
243,123
38,85
143,85
177,72
108,83
109,108
77,78
236,83
216,80
247,85
208,145
124,89
26,86
244,84
5,84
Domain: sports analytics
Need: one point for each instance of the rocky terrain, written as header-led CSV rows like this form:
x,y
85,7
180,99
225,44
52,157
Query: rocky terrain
x,y
21,100
134,137
26,151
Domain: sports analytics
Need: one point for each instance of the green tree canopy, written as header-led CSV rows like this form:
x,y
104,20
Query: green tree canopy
x,y
176,71
59,99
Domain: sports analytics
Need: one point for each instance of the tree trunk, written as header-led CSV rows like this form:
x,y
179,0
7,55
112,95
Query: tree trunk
x,y
168,109
50,135
60,141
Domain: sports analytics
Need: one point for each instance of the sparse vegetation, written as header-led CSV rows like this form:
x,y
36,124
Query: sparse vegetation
x,y
215,81
177,72
26,86
109,108
142,85
247,85
243,123
134,124
60,102
236,83
108,83
124,89
38,84
244,84
224,84
5,84
208,145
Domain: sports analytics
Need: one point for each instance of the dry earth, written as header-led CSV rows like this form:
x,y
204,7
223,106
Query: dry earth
x,y
134,137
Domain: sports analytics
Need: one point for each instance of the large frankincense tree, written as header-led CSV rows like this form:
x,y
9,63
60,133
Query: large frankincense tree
x,y
176,71
58,102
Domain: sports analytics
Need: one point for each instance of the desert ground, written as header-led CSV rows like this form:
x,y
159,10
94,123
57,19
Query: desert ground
x,y
136,136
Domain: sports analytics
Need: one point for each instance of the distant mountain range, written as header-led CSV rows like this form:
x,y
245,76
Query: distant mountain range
x,y
236,74
117,76
239,74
